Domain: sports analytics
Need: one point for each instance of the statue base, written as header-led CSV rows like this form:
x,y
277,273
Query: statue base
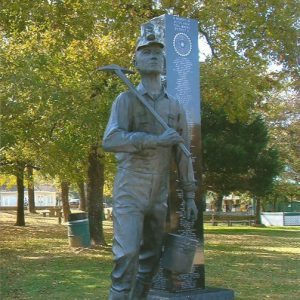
x,y
203,294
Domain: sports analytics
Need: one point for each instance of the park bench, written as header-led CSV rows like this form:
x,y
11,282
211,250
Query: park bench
x,y
247,222
230,218
52,212
45,213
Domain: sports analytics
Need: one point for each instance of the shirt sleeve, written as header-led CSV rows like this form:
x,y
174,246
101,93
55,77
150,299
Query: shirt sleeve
x,y
118,136
184,163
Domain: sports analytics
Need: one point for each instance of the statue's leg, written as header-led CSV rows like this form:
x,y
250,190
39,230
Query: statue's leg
x,y
126,245
153,233
128,218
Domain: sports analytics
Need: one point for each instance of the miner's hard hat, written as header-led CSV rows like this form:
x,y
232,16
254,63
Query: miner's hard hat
x,y
150,34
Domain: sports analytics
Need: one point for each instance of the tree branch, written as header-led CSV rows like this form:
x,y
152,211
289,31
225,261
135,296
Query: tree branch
x,y
208,40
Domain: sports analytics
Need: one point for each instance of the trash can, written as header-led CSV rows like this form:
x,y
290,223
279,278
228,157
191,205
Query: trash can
x,y
179,252
78,230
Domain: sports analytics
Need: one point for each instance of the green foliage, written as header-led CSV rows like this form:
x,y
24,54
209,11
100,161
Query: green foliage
x,y
53,104
267,167
8,181
234,86
236,156
245,38
281,111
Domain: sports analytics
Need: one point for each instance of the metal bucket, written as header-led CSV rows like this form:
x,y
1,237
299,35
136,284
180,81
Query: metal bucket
x,y
78,230
179,252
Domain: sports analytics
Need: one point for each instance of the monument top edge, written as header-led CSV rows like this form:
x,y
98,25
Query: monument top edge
x,y
165,16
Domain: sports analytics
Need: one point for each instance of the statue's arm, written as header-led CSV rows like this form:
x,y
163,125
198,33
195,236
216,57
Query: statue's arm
x,y
185,170
184,163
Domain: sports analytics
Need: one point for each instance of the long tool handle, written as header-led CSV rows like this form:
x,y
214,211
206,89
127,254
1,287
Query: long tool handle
x,y
132,88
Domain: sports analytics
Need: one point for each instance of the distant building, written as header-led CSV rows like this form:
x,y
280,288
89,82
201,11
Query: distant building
x,y
230,203
44,195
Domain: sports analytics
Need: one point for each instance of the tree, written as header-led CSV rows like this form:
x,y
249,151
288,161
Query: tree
x,y
281,112
20,185
54,106
30,188
51,91
282,195
236,156
95,195
267,167
65,199
82,195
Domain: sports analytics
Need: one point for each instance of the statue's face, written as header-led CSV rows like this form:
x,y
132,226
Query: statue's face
x,y
150,59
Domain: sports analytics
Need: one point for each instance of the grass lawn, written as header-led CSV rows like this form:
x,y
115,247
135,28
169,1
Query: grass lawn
x,y
37,262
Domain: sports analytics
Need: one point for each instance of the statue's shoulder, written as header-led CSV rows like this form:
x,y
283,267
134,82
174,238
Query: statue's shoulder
x,y
125,97
174,100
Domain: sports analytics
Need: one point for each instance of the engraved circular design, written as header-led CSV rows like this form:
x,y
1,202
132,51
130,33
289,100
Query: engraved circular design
x,y
182,44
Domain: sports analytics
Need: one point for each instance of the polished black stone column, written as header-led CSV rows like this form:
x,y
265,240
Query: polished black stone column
x,y
183,82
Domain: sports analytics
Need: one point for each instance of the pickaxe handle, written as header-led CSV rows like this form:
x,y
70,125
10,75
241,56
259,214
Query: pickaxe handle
x,y
142,99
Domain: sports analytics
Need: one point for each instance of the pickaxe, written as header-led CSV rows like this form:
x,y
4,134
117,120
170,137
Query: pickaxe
x,y
120,72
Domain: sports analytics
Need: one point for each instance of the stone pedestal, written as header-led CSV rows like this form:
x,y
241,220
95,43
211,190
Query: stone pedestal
x,y
203,294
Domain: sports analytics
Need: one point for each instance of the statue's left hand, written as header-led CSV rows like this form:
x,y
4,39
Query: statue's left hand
x,y
191,211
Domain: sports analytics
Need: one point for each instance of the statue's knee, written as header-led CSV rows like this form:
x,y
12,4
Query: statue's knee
x,y
125,264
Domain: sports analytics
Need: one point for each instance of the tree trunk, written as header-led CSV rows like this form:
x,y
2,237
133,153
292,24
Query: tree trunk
x,y
31,203
219,202
20,185
257,211
81,189
95,196
65,199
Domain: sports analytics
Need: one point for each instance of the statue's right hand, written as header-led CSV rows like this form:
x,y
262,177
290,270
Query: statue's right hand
x,y
169,138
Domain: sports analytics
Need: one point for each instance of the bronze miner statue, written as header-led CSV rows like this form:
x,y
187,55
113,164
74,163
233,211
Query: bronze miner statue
x,y
144,151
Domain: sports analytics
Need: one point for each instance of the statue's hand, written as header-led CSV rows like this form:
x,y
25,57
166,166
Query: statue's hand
x,y
169,138
191,211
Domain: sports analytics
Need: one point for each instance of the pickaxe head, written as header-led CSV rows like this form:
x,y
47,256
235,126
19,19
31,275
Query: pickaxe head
x,y
114,68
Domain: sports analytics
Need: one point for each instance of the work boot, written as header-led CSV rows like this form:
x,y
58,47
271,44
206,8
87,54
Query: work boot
x,y
115,295
140,291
